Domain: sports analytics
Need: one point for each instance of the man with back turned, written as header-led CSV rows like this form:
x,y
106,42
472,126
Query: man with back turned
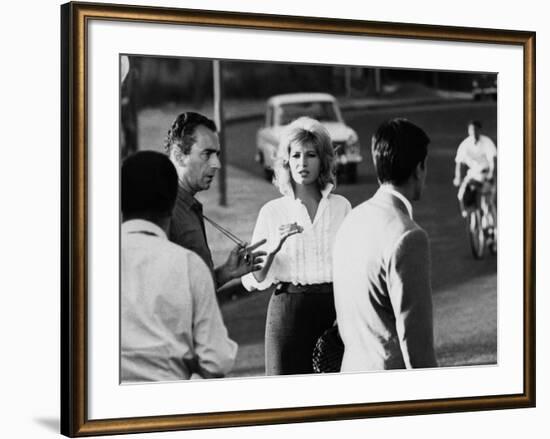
x,y
381,256
171,325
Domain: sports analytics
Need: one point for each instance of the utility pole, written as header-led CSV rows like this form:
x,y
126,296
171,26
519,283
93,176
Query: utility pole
x,y
220,122
347,81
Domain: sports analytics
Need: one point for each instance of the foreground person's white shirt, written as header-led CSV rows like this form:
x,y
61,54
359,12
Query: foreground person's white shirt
x,y
171,325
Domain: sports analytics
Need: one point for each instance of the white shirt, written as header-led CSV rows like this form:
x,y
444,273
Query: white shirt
x,y
407,203
171,325
478,156
382,290
305,258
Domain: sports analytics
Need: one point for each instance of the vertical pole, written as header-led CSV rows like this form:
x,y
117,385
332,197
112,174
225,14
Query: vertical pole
x,y
219,119
347,76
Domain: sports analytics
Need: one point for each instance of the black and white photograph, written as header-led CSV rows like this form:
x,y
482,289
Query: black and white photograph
x,y
276,219
283,218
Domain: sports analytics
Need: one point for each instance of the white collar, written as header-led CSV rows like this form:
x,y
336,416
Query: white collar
x,y
407,203
324,193
327,190
140,225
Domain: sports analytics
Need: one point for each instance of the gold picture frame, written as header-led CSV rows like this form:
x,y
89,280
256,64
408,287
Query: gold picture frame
x,y
74,190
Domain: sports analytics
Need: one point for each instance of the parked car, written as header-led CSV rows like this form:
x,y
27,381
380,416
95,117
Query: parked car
x,y
283,109
484,86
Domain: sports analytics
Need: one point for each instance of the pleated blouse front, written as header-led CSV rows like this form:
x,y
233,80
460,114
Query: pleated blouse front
x,y
305,258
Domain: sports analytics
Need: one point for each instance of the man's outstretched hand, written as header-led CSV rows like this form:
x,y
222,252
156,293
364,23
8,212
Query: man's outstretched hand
x,y
243,259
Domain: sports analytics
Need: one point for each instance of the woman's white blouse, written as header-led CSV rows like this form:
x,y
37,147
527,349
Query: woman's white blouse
x,y
305,258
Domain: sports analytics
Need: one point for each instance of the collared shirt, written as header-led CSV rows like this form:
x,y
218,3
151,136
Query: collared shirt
x,y
478,156
171,324
407,203
305,258
187,227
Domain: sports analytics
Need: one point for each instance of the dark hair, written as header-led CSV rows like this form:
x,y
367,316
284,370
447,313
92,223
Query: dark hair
x,y
475,123
397,147
149,185
181,133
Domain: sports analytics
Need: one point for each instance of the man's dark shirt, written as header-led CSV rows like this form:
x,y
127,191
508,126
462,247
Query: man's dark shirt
x,y
187,228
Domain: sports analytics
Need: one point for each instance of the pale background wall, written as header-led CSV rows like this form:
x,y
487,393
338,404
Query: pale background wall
x,y
29,243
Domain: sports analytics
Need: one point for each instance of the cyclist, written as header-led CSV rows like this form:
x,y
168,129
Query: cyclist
x,y
476,169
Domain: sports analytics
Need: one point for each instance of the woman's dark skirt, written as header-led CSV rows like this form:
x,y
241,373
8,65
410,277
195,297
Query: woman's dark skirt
x,y
295,320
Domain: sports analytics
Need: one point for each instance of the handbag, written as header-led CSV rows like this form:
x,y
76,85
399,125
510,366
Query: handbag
x,y
328,351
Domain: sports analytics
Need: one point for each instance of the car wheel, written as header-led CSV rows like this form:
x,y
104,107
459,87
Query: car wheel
x,y
268,174
260,157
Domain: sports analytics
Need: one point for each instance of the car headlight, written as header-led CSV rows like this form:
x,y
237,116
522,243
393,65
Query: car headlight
x,y
352,144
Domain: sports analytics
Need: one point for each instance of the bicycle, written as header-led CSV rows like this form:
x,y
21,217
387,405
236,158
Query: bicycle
x,y
480,217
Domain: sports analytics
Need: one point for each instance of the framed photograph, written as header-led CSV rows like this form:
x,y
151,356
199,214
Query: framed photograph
x,y
212,351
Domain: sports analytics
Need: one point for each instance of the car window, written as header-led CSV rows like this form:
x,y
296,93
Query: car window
x,y
322,111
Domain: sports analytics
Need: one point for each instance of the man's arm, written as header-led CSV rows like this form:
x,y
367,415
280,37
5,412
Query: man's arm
x,y
458,175
460,164
411,297
461,170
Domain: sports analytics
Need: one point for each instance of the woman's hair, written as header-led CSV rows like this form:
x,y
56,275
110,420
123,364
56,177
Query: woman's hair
x,y
305,131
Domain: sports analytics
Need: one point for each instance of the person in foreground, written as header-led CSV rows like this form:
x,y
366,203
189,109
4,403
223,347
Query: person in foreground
x,y
302,305
171,325
382,282
193,147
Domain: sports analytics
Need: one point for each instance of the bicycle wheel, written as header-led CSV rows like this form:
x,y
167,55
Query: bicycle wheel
x,y
476,233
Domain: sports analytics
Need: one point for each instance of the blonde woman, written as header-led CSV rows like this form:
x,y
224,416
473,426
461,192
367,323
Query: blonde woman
x,y
299,228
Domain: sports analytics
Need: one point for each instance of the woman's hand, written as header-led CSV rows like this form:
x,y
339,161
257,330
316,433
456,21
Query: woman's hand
x,y
286,231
